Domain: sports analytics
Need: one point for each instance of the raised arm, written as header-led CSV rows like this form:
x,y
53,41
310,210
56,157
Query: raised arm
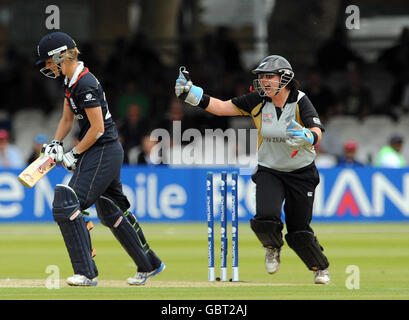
x,y
194,96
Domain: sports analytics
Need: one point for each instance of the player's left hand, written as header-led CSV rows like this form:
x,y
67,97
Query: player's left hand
x,y
69,160
54,149
298,135
185,90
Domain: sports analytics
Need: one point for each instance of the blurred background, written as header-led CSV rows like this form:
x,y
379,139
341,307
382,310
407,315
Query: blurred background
x,y
355,69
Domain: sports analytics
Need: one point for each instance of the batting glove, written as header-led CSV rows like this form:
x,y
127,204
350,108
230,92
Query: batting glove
x,y
299,136
185,89
55,150
70,159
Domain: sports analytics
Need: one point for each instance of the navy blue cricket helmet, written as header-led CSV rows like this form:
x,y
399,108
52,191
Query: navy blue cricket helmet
x,y
51,46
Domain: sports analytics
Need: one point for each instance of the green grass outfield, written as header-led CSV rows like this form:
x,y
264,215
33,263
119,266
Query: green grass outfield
x,y
380,251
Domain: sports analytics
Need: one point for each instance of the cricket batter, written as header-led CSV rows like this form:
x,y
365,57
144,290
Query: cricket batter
x,y
96,164
288,128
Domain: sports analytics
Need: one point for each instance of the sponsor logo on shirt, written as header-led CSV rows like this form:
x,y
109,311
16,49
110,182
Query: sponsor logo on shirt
x,y
268,118
89,97
274,140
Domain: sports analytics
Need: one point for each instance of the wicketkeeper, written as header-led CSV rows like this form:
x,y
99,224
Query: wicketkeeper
x,y
288,128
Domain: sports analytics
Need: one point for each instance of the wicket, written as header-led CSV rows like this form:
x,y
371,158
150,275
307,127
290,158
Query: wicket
x,y
223,225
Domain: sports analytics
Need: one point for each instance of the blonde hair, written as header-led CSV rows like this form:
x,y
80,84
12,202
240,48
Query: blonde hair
x,y
71,54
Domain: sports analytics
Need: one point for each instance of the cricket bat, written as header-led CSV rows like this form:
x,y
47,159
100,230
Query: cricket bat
x,y
36,170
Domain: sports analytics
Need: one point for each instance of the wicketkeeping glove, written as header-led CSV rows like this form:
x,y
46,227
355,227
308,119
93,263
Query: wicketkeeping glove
x,y
185,89
55,150
298,136
70,159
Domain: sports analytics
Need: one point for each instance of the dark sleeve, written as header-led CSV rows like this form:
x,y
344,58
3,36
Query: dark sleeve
x,y
308,114
246,103
88,98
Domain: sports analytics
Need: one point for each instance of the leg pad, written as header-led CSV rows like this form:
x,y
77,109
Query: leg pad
x,y
269,232
67,213
307,247
112,217
153,258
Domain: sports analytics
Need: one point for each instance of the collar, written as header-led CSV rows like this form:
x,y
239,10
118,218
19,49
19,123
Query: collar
x,y
292,97
75,75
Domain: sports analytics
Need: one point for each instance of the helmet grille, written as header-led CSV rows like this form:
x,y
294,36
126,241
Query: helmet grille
x,y
286,76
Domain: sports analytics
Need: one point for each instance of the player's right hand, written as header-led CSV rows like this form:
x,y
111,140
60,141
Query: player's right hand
x,y
55,150
185,89
70,159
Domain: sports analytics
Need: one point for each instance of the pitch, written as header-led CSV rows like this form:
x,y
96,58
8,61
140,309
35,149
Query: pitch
x,y
377,256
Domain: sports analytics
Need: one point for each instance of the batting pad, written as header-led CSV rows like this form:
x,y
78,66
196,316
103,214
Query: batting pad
x,y
112,217
153,258
67,213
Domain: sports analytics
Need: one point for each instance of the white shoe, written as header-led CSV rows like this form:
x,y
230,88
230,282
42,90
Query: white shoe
x,y
78,280
141,277
321,277
272,260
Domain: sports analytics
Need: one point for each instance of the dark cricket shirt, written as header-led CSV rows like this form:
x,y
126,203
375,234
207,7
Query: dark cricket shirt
x,y
84,91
